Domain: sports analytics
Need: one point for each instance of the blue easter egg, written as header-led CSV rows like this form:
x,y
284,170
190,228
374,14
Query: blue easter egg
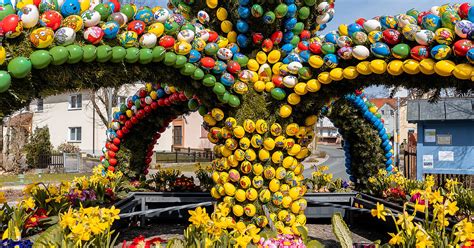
x,y
242,40
354,27
322,27
234,48
388,22
304,55
290,23
70,7
227,79
331,37
380,50
242,26
388,155
288,36
470,14
219,67
441,52
331,60
194,56
291,10
431,22
287,48
111,29
161,93
470,55
244,12
144,15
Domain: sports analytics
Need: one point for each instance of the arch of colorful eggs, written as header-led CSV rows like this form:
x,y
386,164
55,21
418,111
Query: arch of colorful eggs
x,y
258,73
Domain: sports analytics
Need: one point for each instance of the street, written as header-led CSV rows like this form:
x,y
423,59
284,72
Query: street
x,y
335,162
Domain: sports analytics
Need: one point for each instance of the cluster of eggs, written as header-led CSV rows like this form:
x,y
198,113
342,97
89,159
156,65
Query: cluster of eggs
x,y
259,164
134,110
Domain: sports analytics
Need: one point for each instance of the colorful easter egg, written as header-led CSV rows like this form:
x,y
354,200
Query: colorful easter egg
x,y
463,28
111,29
12,26
65,36
90,18
462,46
73,21
440,52
29,15
148,40
424,37
360,52
380,50
391,36
449,19
375,36
93,35
42,37
388,22
70,7
420,52
444,36
136,26
161,15
51,19
401,51
359,38
372,25
409,31
431,22
345,53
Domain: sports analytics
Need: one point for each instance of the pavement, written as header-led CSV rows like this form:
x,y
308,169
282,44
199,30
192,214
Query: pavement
x,y
335,162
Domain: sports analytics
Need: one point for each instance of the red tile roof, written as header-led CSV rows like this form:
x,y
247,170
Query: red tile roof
x,y
379,102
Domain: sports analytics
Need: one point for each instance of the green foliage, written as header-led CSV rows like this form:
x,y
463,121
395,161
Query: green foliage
x,y
341,231
38,149
49,238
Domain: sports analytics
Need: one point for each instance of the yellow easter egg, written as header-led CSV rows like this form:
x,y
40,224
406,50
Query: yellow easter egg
x,y
277,157
245,182
274,56
261,126
226,27
253,65
212,3
239,131
301,89
251,194
249,126
294,193
214,193
276,67
259,86
311,120
324,78
364,68
250,210
462,71
209,120
293,99
257,169
304,152
313,85
301,219
221,14
316,61
232,36
240,195
263,155
288,161
286,202
282,214
3,55
343,30
395,67
295,149
336,74
350,72
427,66
237,210
444,68
274,185
261,57
285,111
250,155
411,66
280,141
156,28
378,66
269,144
269,86
85,4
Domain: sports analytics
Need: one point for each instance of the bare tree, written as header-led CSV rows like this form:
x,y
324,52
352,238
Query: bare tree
x,y
101,100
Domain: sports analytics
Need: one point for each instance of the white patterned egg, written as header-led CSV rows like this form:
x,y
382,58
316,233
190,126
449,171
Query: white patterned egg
x,y
65,36
224,53
424,37
203,34
161,15
360,52
29,15
294,66
91,18
186,35
290,81
372,25
148,40
463,27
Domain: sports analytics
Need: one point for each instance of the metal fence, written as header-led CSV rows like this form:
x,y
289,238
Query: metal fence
x,y
184,155
60,162
50,160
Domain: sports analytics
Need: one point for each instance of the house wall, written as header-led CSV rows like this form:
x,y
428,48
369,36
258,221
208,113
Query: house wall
x,y
388,115
462,133
405,127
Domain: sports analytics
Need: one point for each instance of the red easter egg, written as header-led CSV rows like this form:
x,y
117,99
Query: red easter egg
x,y
361,21
233,67
119,134
128,124
111,154
167,41
113,161
134,120
213,36
277,80
420,52
277,37
154,105
208,62
161,102
111,168
257,38
315,47
125,130
12,26
114,148
122,118
267,45
421,15
137,26
94,34
464,10
51,19
391,36
302,46
305,34
462,46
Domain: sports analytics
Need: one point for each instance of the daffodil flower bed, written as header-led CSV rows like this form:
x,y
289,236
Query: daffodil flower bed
x,y
321,181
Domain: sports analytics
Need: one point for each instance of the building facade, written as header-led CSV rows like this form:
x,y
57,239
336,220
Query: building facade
x,y
326,132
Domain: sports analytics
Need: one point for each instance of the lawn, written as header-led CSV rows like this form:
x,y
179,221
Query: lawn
x,y
184,167
34,178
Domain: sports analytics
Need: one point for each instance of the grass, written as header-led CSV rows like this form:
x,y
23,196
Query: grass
x,y
45,178
184,167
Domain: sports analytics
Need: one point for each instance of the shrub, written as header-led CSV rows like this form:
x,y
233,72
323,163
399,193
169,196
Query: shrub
x,y
38,150
68,148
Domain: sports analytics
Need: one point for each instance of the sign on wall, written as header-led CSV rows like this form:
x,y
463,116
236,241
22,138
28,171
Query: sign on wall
x,y
428,162
430,135
444,139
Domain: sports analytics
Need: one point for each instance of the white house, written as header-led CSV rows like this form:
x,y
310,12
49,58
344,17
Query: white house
x,y
326,131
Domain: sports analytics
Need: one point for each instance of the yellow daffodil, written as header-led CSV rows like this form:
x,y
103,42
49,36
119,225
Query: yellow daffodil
x,y
423,240
405,220
419,207
464,230
3,199
379,212
29,203
240,227
450,183
199,216
436,197
396,239
242,241
451,207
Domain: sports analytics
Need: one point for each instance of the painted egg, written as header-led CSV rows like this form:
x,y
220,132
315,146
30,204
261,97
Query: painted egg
x,y
73,21
29,15
93,35
372,25
391,36
360,52
409,31
111,29
294,66
420,52
449,19
199,44
211,48
224,53
290,81
413,13
331,37
424,37
421,15
137,27
148,40
470,55
119,17
431,22
65,36
46,5
51,19
343,41
203,17
227,79
167,41
186,35
375,36
328,48
42,37
219,68
330,60
161,15
194,56
70,7
444,36
203,34
12,26
345,53
240,88
208,62
233,67
462,28
354,27
359,38
462,46
440,52
404,20
388,22
144,15
182,48
91,18
463,10
401,51
380,50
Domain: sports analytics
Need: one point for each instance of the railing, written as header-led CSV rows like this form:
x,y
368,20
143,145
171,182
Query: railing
x,y
50,160
466,180
184,155
409,158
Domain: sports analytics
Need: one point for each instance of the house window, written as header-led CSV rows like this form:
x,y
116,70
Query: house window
x,y
75,134
177,135
75,101
39,105
391,112
383,112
